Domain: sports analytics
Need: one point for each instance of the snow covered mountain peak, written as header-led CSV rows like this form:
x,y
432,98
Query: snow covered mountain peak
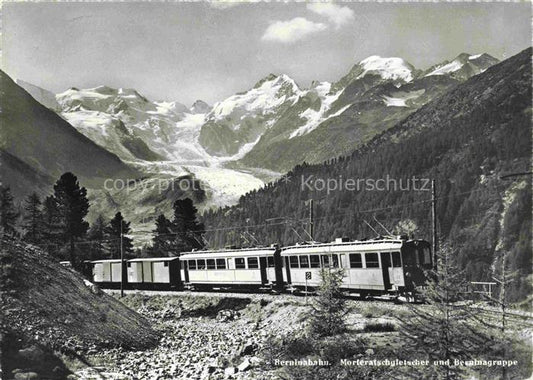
x,y
114,101
268,94
388,68
463,66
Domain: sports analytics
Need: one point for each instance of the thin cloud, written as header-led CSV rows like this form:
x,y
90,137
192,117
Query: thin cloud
x,y
336,14
292,30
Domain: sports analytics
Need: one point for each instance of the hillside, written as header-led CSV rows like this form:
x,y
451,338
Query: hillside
x,y
39,138
465,139
47,309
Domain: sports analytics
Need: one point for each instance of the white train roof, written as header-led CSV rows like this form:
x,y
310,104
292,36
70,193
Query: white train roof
x,y
151,259
351,246
245,252
106,261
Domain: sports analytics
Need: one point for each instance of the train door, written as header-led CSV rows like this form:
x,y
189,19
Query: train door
x,y
346,270
288,269
263,269
185,264
278,268
385,265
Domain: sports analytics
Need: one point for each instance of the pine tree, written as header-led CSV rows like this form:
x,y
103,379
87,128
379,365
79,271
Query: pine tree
x,y
187,229
163,237
114,229
33,219
329,307
448,328
52,227
8,214
73,206
97,236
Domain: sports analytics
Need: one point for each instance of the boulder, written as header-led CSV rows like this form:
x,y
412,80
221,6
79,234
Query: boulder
x,y
32,353
26,376
244,365
230,371
249,348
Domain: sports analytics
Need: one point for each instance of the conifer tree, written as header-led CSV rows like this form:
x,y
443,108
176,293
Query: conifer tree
x,y
73,206
114,229
329,307
163,237
33,219
8,214
187,229
52,227
449,327
97,235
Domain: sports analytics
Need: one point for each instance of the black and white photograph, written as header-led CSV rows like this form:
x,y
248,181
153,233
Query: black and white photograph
x,y
266,190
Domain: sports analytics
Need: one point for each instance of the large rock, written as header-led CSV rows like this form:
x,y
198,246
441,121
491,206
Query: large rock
x,y
230,371
244,365
32,353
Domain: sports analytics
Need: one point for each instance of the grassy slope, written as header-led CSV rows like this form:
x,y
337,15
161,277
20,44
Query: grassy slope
x,y
46,304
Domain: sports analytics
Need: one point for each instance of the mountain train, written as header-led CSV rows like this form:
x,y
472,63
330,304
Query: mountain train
x,y
383,266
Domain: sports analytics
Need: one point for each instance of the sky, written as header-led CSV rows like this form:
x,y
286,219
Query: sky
x,y
187,51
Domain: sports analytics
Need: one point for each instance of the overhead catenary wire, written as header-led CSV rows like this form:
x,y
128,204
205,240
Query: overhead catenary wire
x,y
289,218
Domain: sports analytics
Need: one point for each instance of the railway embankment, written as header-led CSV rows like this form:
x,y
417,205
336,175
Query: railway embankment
x,y
52,319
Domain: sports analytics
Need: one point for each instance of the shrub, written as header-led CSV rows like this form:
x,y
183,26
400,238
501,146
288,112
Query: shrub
x,y
379,327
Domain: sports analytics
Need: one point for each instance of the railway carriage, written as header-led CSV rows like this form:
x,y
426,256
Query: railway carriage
x,y
108,273
245,268
154,273
381,266
386,265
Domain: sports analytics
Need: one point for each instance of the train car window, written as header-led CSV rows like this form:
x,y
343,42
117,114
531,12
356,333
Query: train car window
x,y
192,264
129,265
355,260
211,264
221,263
335,261
420,256
325,261
396,260
315,261
270,262
293,261
239,263
165,264
253,263
304,261
427,256
201,263
372,260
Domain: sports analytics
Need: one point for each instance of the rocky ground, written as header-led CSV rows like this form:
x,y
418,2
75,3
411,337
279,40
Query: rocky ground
x,y
213,336
204,337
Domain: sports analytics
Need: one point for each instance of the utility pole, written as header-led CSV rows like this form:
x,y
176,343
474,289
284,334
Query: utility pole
x,y
311,225
121,263
434,221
